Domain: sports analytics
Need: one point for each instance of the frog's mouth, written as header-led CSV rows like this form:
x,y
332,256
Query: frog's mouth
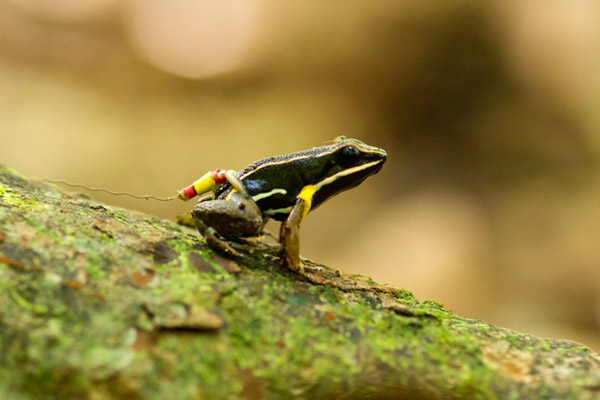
x,y
357,177
345,180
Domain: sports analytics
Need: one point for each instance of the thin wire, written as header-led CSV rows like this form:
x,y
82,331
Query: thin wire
x,y
143,197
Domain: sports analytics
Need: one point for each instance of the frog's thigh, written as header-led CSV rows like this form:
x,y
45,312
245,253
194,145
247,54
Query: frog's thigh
x,y
229,218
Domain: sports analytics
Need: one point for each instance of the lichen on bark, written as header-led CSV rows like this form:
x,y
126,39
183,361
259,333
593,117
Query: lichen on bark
x,y
102,302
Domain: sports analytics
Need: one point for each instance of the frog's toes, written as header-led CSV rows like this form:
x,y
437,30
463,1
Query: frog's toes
x,y
313,268
216,242
227,248
266,232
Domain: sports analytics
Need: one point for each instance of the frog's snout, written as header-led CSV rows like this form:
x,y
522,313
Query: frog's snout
x,y
380,155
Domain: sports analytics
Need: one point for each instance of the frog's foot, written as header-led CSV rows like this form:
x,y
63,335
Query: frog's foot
x,y
306,271
216,242
242,245
268,233
290,258
309,267
233,246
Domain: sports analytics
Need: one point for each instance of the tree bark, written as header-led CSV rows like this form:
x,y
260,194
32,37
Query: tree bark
x,y
102,302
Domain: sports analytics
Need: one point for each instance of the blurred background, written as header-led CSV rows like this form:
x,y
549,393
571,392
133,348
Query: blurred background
x,y
489,201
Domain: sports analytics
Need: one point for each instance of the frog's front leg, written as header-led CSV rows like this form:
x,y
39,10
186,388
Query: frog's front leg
x,y
236,217
290,237
290,229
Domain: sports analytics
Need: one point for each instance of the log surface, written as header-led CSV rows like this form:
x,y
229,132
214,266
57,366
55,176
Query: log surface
x,y
101,302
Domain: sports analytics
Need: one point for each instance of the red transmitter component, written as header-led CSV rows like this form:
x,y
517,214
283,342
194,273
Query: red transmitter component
x,y
218,176
202,185
187,193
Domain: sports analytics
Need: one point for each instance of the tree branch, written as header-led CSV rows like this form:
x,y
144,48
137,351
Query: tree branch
x,y
101,302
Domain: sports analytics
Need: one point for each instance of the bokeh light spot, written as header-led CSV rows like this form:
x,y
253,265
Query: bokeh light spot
x,y
193,38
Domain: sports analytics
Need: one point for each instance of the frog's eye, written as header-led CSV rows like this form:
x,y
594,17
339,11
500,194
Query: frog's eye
x,y
348,156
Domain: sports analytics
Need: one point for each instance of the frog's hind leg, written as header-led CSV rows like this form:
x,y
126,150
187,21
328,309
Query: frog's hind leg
x,y
213,239
217,220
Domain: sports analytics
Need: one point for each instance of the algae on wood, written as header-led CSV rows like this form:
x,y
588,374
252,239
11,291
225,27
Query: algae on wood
x,y
101,302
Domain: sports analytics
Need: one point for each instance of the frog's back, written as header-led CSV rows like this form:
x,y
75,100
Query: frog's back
x,y
275,182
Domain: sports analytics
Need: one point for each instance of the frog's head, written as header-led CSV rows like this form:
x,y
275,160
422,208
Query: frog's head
x,y
349,163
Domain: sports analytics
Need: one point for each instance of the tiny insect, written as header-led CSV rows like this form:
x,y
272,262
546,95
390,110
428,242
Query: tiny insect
x,y
285,188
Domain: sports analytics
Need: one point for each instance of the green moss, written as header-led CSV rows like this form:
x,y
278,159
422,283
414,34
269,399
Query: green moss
x,y
13,172
545,346
26,305
83,312
406,297
580,350
9,198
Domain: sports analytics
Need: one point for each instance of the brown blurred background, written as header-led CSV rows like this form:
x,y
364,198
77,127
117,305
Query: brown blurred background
x,y
489,201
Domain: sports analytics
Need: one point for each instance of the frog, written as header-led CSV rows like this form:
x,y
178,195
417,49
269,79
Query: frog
x,y
237,204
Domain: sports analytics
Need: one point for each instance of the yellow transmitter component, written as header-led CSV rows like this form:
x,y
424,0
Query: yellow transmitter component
x,y
202,185
307,194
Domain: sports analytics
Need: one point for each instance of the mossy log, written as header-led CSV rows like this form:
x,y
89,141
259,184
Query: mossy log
x,y
101,302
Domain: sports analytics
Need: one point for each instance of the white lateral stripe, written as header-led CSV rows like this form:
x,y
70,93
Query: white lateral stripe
x,y
261,196
345,172
278,211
